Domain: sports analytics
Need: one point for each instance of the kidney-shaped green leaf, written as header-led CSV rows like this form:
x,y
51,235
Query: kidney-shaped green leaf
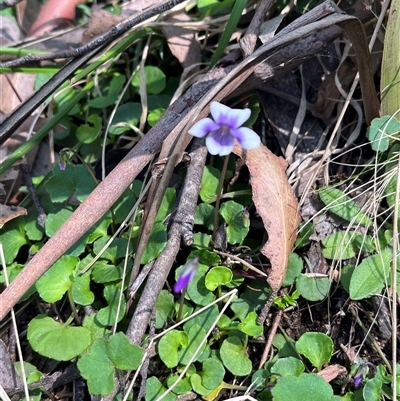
x,y
57,280
316,347
305,387
97,369
55,340
233,355
217,276
169,346
123,354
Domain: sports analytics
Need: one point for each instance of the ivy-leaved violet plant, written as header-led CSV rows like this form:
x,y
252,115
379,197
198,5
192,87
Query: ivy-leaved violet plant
x,y
224,128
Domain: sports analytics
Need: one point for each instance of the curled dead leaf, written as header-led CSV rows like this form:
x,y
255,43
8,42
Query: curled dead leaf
x,y
331,372
276,205
8,213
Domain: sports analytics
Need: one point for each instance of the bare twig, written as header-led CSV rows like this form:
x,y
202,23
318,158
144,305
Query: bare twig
x,y
160,271
249,40
271,336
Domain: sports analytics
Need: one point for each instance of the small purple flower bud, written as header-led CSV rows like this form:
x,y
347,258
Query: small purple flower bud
x,y
62,166
357,380
187,273
224,128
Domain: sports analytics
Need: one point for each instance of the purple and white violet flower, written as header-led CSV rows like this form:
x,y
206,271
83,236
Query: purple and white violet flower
x,y
224,128
186,274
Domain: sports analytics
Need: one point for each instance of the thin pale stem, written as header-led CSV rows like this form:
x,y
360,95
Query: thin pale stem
x,y
218,200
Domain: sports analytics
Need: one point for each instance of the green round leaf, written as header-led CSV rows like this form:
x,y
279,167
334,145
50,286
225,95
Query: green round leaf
x,y
97,369
289,366
165,308
295,266
234,356
169,345
123,354
341,245
204,319
55,340
57,280
218,276
212,373
197,290
380,130
183,386
204,215
249,325
114,251
88,133
12,236
316,347
372,390
154,116
108,316
305,387
195,381
73,180
155,389
126,115
155,80
209,184
236,230
196,335
104,272
312,288
81,292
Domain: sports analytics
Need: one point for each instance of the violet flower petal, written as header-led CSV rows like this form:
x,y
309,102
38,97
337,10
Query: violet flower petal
x,y
224,115
186,274
182,282
203,128
246,137
220,144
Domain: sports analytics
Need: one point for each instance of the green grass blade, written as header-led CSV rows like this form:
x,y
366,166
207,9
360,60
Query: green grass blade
x,y
230,28
390,72
28,145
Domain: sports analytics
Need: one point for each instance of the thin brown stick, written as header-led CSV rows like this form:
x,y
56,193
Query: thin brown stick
x,y
249,40
162,267
271,336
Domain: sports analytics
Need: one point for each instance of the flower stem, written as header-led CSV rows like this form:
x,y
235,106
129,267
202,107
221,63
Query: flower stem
x,y
218,200
179,316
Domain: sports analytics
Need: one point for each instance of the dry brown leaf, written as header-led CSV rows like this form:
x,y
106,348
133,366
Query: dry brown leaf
x,y
276,205
18,86
331,372
101,21
182,42
8,213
